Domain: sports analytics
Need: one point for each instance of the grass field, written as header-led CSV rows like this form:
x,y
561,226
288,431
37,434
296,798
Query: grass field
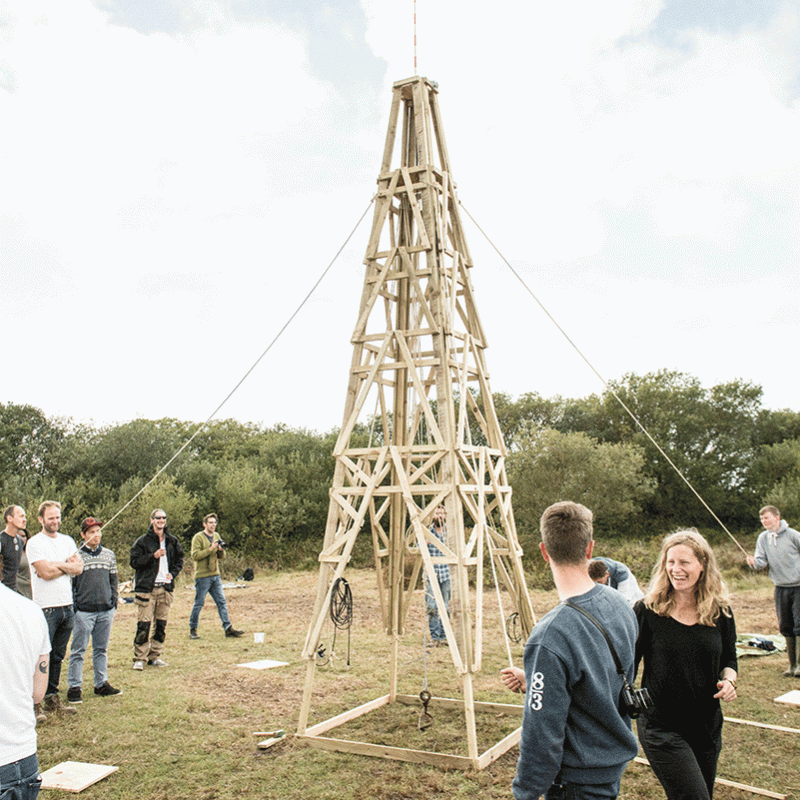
x,y
185,732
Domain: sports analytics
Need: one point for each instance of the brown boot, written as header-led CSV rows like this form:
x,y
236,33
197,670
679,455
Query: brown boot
x,y
53,703
40,715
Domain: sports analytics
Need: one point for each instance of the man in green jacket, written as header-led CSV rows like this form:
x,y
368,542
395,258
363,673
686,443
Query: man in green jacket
x,y
207,550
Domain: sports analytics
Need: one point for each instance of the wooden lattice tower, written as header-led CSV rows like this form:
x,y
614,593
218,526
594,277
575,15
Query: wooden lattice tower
x,y
418,366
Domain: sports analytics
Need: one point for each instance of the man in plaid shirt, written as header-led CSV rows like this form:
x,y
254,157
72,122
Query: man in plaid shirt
x,y
442,571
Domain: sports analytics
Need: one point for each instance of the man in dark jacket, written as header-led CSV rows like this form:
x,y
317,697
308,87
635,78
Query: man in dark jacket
x,y
157,558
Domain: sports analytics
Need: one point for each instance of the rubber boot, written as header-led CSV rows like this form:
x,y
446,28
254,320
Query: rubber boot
x,y
791,649
797,657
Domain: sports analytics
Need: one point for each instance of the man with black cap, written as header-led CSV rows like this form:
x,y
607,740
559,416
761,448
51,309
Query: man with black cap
x,y
95,594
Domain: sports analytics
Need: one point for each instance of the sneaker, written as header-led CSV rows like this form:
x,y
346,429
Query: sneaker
x,y
106,690
157,662
193,634
74,694
40,715
138,665
231,631
53,703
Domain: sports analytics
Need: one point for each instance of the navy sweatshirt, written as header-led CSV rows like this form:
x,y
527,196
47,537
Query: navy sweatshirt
x,y
571,724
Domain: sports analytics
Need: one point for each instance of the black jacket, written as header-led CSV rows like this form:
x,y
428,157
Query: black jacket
x,y
146,565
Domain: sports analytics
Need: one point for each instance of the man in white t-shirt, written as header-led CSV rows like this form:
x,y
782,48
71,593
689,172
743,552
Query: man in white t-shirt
x,y
23,665
54,559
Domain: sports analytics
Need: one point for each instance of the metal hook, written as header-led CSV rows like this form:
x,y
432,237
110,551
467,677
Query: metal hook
x,y
425,719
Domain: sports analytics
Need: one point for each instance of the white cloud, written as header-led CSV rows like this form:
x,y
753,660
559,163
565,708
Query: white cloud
x,y
193,186
686,210
103,115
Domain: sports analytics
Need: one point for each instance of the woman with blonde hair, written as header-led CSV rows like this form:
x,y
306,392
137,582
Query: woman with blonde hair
x,y
687,641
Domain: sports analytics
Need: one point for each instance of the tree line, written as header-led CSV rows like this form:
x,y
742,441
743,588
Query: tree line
x,y
269,485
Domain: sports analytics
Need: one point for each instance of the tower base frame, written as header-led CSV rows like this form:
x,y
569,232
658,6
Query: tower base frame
x,y
313,736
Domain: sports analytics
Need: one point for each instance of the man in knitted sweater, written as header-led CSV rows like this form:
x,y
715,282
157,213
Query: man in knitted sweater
x,y
207,550
95,595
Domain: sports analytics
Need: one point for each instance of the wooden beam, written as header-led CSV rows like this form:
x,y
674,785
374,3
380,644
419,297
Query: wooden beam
x,y
346,716
761,725
441,760
444,760
722,782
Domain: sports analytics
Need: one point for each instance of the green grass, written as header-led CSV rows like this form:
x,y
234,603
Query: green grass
x,y
186,732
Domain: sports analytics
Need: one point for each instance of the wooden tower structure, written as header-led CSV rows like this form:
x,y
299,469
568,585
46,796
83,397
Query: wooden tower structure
x,y
418,361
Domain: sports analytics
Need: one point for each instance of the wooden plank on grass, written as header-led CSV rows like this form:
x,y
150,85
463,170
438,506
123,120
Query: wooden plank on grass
x,y
792,698
385,751
503,746
512,709
346,716
264,664
762,725
269,742
75,776
722,782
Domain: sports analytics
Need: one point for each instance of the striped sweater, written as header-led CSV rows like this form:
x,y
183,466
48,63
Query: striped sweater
x,y
96,588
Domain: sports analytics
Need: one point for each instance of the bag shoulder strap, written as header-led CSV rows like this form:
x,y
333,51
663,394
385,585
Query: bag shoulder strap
x,y
617,662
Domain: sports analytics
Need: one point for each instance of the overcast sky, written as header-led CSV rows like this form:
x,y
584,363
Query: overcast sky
x,y
176,174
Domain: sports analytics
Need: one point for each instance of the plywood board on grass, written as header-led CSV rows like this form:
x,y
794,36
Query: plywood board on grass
x,y
792,698
75,776
264,664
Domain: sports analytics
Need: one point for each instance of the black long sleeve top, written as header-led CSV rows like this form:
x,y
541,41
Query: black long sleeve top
x,y
682,664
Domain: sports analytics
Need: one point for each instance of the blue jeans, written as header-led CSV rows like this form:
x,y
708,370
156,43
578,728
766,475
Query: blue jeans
x,y
97,625
434,621
59,623
212,586
20,780
580,791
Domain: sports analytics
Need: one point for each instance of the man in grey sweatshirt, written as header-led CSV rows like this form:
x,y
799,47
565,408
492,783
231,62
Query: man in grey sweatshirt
x,y
778,547
575,743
